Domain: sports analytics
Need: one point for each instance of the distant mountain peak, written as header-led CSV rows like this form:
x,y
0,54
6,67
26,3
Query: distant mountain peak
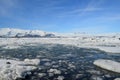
x,y
11,32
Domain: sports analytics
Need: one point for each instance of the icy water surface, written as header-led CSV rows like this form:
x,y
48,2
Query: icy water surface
x,y
61,62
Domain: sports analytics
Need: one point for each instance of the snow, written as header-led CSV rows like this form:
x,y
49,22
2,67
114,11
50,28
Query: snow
x,y
110,49
117,79
11,47
106,42
60,78
37,32
109,45
11,32
13,69
108,65
55,71
32,61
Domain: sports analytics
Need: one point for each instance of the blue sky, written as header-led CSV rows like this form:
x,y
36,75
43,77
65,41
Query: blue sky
x,y
99,16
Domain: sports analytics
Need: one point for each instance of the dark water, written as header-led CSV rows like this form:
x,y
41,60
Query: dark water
x,y
70,62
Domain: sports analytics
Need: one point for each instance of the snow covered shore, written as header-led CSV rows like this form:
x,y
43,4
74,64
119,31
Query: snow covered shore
x,y
13,69
11,38
108,45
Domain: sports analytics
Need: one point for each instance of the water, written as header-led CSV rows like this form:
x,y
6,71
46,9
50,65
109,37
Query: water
x,y
71,63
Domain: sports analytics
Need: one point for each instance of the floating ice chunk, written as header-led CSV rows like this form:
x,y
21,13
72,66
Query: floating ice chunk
x,y
108,65
55,71
41,75
32,61
117,79
13,69
60,77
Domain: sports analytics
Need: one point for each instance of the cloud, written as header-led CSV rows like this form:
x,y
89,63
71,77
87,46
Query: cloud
x,y
92,6
91,29
104,18
88,9
6,6
95,3
109,18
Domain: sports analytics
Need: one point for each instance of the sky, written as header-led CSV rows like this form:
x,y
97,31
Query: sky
x,y
92,16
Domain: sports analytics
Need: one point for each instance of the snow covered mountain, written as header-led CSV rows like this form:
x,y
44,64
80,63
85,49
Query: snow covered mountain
x,y
19,33
11,32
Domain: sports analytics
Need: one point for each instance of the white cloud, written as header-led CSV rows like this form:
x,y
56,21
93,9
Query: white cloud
x,y
109,18
91,29
6,6
88,9
92,6
104,18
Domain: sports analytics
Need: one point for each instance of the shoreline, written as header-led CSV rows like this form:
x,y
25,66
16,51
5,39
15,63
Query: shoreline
x,y
12,43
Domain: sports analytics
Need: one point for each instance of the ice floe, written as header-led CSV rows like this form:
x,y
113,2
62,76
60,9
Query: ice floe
x,y
108,65
13,69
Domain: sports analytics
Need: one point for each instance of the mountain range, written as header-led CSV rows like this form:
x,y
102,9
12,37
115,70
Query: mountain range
x,y
20,33
12,33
